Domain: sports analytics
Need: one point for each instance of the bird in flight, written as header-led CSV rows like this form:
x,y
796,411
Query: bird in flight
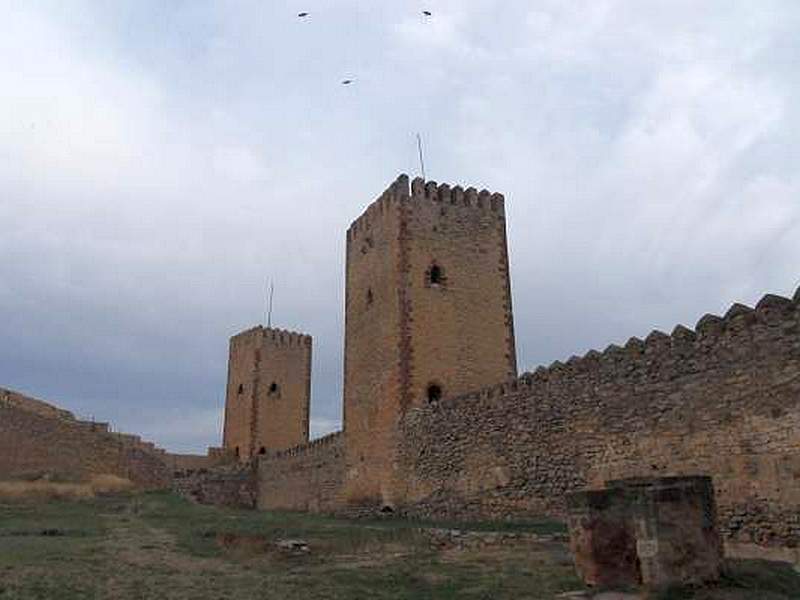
x,y
347,82
302,14
427,13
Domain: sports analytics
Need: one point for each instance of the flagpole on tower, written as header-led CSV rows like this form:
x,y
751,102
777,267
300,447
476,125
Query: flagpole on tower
x,y
269,309
421,161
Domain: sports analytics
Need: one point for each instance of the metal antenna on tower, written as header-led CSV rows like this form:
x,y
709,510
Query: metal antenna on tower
x,y
269,310
421,160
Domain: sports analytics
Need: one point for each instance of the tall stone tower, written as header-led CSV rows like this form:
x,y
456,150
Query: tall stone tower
x,y
268,393
427,316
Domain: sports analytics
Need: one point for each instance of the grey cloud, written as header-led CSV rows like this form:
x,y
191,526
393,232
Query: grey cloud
x,y
160,162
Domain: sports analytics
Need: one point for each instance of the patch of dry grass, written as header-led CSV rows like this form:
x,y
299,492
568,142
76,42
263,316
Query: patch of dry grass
x,y
110,484
42,489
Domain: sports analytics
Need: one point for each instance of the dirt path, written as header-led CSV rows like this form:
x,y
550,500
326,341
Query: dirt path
x,y
146,562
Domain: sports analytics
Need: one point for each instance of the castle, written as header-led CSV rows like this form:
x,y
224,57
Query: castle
x,y
438,423
427,316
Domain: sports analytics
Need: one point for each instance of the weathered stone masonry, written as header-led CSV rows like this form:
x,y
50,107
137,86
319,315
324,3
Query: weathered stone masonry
x,y
428,305
308,477
427,313
722,400
223,485
37,439
268,392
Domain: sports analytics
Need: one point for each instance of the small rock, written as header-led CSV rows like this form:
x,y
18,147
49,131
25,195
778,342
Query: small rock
x,y
293,545
52,533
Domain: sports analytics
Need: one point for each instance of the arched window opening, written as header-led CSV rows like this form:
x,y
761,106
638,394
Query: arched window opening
x,y
434,393
237,451
262,450
434,276
370,297
240,390
273,387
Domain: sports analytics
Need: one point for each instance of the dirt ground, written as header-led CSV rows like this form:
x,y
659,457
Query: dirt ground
x,y
158,546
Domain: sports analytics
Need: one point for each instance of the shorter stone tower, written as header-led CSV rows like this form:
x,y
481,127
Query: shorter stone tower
x,y
269,390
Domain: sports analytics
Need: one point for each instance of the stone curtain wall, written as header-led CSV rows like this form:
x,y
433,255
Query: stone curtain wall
x,y
232,485
10,398
37,439
308,477
190,462
722,400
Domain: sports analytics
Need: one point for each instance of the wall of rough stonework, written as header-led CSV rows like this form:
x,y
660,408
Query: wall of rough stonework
x,y
231,485
722,400
268,391
38,439
12,399
308,477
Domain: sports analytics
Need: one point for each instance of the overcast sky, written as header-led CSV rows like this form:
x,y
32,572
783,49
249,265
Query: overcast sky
x,y
159,160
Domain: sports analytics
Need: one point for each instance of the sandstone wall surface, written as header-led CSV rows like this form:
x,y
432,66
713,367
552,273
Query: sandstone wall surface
x,y
373,352
309,477
231,485
723,400
37,439
428,313
188,462
460,328
268,391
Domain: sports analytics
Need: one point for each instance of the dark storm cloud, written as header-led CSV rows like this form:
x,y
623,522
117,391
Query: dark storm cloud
x,y
160,162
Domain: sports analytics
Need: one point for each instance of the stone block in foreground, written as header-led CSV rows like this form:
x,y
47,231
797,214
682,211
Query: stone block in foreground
x,y
653,532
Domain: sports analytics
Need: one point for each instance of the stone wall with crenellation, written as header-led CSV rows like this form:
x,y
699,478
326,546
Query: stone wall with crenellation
x,y
428,318
308,477
721,400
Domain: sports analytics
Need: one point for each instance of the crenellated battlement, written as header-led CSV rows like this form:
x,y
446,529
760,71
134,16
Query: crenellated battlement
x,y
95,426
421,190
444,193
276,336
429,322
738,322
285,337
312,446
391,197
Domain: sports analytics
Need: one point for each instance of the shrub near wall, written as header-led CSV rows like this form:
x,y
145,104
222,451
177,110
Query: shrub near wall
x,y
722,400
